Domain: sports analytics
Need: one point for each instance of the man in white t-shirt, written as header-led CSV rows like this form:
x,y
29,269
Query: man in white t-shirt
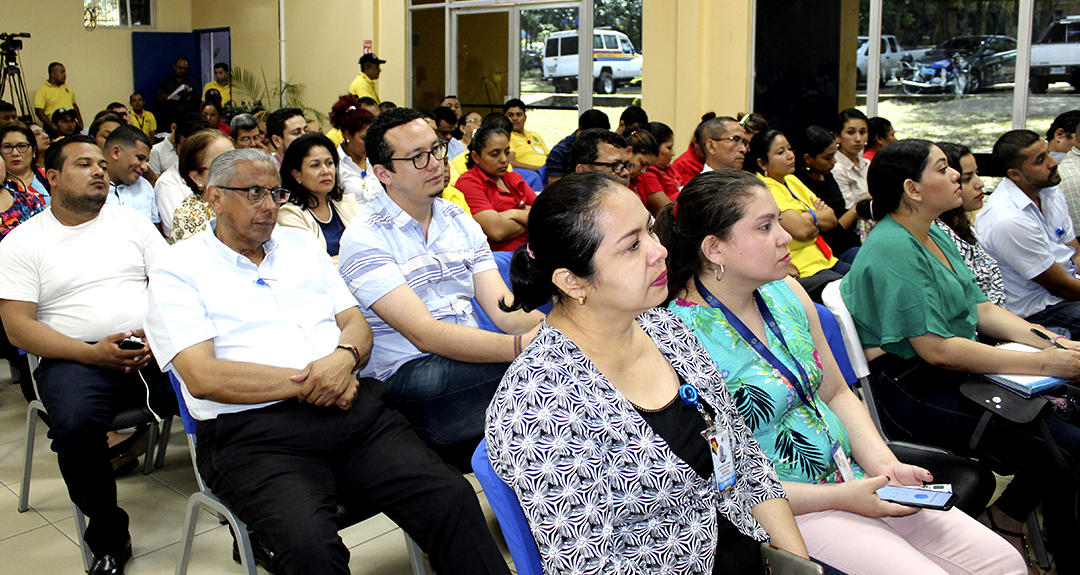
x,y
73,285
127,150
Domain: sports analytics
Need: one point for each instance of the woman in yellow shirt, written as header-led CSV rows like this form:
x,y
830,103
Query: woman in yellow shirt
x,y
802,214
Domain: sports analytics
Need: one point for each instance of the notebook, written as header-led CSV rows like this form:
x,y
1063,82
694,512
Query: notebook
x,y
1025,385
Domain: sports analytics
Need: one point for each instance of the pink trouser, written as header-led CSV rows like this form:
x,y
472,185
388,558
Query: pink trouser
x,y
928,542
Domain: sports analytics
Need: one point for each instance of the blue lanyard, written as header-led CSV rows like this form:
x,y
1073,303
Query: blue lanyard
x,y
808,208
759,346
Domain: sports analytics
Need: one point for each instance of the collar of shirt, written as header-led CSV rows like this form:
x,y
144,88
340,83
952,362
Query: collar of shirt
x,y
849,165
229,254
405,222
1018,198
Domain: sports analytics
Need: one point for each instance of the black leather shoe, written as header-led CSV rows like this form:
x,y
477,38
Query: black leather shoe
x,y
107,565
264,557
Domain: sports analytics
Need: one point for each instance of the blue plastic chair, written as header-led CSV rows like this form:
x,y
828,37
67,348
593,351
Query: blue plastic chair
x,y
836,343
534,178
508,511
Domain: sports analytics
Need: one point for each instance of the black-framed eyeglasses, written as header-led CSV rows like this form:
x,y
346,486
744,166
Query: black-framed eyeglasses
x,y
257,194
421,160
22,147
616,166
737,140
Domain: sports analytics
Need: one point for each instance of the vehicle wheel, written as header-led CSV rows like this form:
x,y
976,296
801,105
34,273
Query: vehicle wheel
x,y
562,86
1038,85
912,90
605,84
974,81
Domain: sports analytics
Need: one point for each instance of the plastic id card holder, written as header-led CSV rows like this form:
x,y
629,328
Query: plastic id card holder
x,y
843,464
723,461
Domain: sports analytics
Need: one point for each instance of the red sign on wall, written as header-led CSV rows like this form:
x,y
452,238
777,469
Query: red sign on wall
x,y
367,46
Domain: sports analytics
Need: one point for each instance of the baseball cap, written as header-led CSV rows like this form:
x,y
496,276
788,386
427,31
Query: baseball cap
x,y
63,112
370,59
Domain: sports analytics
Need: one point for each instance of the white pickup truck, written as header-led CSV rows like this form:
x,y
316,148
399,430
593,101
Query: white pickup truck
x,y
1056,56
891,54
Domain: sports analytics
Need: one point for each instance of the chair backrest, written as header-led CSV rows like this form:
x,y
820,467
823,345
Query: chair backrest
x,y
836,343
830,296
508,511
502,260
185,415
846,324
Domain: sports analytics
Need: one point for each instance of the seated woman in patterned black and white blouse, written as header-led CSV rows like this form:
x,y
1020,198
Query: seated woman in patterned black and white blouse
x,y
595,426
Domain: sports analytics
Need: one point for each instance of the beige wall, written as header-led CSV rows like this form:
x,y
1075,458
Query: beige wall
x,y
253,31
98,62
698,54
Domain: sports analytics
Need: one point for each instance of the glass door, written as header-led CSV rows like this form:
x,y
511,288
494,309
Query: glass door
x,y
482,59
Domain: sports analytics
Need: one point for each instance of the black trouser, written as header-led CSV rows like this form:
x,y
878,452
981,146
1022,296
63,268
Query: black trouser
x,y
283,469
923,403
82,400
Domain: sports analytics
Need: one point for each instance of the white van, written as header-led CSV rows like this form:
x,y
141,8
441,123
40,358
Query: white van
x,y
615,62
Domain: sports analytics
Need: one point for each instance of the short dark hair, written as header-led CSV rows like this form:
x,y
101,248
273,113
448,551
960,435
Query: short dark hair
x,y
294,159
378,150
661,131
275,122
127,136
6,107
95,126
709,205
846,116
593,119
633,117
563,233
190,123
116,105
222,65
139,94
497,120
214,103
368,101
53,65
384,105
513,103
877,128
1066,121
1008,150
586,147
55,157
759,150
894,164
480,139
713,128
445,114
454,96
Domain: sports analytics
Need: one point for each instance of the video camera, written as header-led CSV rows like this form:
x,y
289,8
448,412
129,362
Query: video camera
x,y
10,43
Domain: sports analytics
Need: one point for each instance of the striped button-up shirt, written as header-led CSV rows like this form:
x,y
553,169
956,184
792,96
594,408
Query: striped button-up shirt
x,y
384,247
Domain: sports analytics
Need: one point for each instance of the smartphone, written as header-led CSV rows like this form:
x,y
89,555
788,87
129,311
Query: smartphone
x,y
916,497
131,343
776,561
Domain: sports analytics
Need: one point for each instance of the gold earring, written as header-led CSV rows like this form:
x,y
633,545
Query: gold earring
x,y
581,300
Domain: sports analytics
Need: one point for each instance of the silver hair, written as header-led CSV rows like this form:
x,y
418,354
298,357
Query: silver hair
x,y
224,167
243,122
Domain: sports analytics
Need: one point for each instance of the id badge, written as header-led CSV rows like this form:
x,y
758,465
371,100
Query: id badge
x,y
723,461
843,465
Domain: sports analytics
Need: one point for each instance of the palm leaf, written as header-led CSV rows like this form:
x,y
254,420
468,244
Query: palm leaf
x,y
794,447
274,94
754,404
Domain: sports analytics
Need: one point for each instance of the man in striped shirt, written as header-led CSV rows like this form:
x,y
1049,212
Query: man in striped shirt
x,y
418,265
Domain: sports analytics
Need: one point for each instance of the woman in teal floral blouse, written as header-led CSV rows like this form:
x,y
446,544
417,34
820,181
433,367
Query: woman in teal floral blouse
x,y
727,265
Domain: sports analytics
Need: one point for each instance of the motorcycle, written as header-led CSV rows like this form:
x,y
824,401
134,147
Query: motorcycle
x,y
945,76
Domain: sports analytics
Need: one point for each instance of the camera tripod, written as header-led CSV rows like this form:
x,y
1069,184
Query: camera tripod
x,y
11,77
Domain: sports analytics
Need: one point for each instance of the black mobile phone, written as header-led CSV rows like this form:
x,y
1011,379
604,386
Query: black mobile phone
x,y
775,561
915,497
131,343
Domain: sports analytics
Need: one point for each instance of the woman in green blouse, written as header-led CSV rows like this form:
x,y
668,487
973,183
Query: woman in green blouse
x,y
918,308
727,266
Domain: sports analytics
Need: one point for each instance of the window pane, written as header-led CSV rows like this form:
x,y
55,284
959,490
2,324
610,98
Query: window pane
x,y
108,11
569,46
428,57
611,42
552,49
140,12
1055,75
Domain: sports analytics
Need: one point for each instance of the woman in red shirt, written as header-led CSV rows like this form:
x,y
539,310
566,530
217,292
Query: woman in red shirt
x,y
499,200
658,177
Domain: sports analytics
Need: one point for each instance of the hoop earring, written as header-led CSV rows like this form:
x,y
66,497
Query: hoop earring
x,y
581,300
719,266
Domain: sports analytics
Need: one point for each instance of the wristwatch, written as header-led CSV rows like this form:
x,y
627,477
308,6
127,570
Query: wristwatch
x,y
355,353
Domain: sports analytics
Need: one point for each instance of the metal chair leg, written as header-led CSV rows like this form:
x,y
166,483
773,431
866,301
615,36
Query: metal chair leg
x,y
197,502
151,445
416,556
1038,546
80,529
28,459
163,442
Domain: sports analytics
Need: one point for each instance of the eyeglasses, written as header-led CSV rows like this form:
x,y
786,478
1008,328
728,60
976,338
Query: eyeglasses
x,y
738,140
616,166
472,121
248,140
257,194
421,160
22,147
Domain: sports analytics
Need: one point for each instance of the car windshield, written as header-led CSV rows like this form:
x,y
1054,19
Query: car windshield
x,y
964,44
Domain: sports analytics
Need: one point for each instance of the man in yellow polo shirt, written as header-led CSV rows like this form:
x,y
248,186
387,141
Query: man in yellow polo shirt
x,y
53,95
141,118
222,83
528,148
364,84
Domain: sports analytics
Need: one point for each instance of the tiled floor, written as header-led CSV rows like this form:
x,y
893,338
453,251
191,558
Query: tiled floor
x,y
43,540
